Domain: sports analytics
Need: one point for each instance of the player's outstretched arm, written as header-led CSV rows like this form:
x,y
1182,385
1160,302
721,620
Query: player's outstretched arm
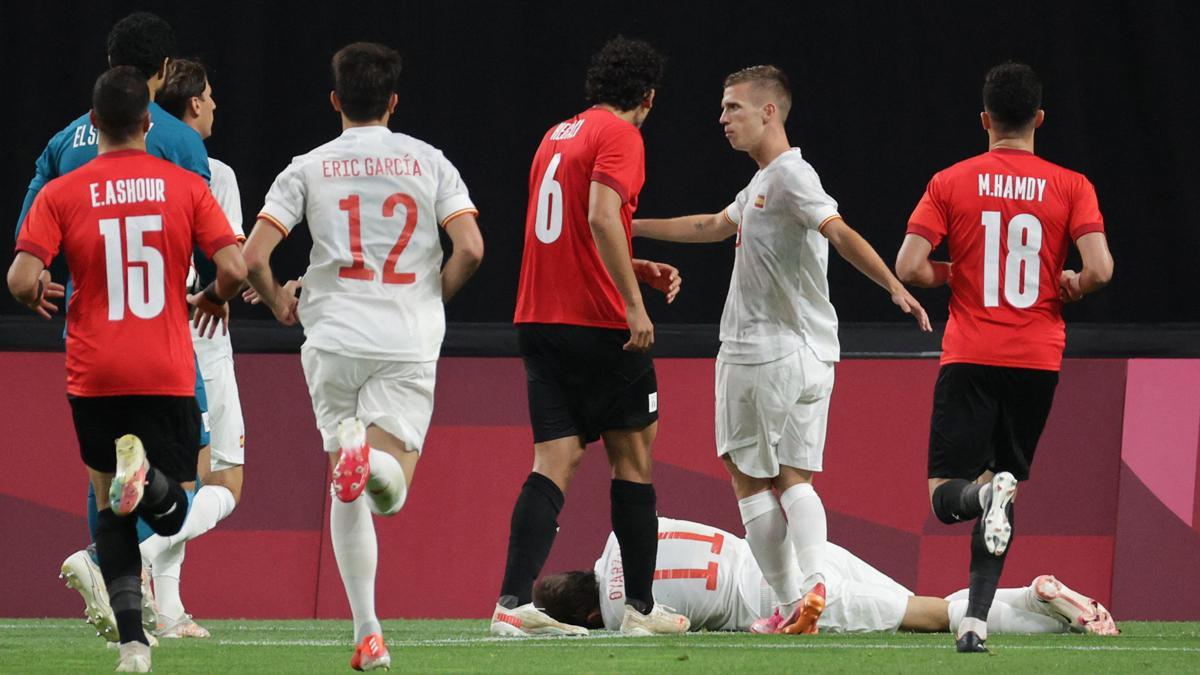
x,y
257,254
659,276
29,282
1097,268
852,247
914,267
604,217
700,228
212,308
464,234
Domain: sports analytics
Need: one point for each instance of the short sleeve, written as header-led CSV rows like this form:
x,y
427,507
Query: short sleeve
x,y
225,190
620,159
43,173
210,227
41,235
453,199
733,212
807,200
284,207
1085,211
929,219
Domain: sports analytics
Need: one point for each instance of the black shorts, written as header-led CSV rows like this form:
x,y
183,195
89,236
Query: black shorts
x,y
168,426
582,383
987,418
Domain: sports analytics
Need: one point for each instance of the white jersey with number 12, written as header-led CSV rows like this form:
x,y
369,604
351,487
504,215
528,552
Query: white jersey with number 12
x,y
373,201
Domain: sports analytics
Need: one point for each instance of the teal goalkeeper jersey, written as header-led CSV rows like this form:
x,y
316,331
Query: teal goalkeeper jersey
x,y
75,146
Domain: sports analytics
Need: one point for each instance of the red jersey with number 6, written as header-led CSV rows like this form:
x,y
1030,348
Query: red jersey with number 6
x,y
563,279
127,223
1008,218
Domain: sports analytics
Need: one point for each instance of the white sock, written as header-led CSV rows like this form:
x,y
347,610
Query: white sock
x,y
766,532
168,568
386,486
357,552
1003,618
211,505
807,530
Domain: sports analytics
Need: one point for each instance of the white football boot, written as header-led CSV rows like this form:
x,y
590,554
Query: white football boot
x,y
529,620
996,529
661,620
184,627
134,658
1082,613
82,574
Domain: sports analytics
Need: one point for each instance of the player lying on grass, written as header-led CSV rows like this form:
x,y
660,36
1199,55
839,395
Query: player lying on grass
x,y
710,576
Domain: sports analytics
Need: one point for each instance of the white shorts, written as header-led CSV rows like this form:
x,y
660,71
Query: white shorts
x,y
396,396
227,429
774,413
859,598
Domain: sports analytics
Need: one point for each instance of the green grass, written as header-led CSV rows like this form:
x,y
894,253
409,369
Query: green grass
x,y
58,646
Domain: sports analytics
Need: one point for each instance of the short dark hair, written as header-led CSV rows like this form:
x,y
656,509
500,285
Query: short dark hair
x,y
771,78
142,40
185,80
623,72
119,102
568,597
365,76
1012,95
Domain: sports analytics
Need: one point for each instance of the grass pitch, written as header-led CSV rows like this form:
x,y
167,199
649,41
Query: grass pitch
x,y
463,646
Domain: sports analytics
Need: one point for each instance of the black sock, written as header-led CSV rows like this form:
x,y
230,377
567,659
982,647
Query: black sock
x,y
635,523
121,566
531,534
164,504
985,572
956,501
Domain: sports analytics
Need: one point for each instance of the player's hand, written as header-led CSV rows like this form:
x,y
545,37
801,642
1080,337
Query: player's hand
x,y
909,305
1068,286
250,296
641,331
286,302
50,291
208,315
659,276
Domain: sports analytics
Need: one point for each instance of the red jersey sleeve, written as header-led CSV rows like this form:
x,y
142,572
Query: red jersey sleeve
x,y
619,158
1085,211
41,236
930,219
211,230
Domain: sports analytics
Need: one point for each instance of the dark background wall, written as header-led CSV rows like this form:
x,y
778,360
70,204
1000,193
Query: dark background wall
x,y
886,94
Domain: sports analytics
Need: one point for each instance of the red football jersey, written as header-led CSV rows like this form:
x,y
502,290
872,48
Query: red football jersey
x,y
563,279
127,222
1008,217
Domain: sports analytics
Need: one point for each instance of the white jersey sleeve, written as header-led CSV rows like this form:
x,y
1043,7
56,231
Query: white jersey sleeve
x,y
733,212
807,200
284,207
225,189
452,197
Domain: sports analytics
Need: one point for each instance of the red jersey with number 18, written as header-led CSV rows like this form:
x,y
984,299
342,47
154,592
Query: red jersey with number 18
x,y
127,223
563,279
1008,217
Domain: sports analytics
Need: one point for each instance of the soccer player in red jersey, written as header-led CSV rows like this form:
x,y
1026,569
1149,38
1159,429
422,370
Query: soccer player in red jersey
x,y
584,337
127,223
1008,218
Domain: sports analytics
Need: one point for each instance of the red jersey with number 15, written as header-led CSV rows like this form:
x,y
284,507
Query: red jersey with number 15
x,y
1008,218
563,279
127,222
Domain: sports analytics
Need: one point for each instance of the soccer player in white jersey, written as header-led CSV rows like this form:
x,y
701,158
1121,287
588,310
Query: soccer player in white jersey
x,y
710,576
187,94
372,306
778,336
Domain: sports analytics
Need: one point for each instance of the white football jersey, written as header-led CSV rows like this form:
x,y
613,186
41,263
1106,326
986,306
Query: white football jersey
x,y
373,201
701,572
779,294
224,188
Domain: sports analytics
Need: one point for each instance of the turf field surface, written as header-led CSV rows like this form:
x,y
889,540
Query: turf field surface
x,y
59,646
